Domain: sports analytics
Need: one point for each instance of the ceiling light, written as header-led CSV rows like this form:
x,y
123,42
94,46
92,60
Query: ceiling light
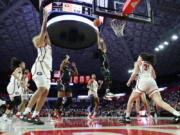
x,y
174,37
156,49
161,46
166,43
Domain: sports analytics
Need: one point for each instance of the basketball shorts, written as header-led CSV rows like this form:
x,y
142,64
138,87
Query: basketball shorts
x,y
146,85
92,93
41,76
64,87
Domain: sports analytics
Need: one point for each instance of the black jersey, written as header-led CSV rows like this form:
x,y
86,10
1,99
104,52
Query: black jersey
x,y
103,58
66,74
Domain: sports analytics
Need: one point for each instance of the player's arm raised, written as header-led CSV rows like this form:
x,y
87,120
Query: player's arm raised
x,y
134,74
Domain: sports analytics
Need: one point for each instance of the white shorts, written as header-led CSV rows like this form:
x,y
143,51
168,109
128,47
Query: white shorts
x,y
146,85
13,90
92,93
41,76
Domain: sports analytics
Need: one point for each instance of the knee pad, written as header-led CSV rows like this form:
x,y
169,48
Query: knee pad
x,y
58,103
68,102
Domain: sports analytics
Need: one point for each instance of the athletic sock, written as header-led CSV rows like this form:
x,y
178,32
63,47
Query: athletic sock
x,y
176,113
27,110
35,113
127,114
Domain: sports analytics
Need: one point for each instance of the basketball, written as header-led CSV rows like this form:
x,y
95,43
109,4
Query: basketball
x,y
97,22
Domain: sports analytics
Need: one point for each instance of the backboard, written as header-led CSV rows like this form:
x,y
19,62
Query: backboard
x,y
113,9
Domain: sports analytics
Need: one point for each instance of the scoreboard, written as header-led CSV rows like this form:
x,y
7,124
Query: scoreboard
x,y
70,7
75,6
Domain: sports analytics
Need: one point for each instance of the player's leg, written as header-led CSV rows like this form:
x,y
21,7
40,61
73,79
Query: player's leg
x,y
68,101
34,100
137,105
40,102
159,101
144,101
91,107
22,106
58,105
57,109
35,119
134,95
96,108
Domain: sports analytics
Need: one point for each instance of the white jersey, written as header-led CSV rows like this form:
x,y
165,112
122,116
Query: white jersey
x,y
42,67
45,56
13,87
93,89
145,70
145,82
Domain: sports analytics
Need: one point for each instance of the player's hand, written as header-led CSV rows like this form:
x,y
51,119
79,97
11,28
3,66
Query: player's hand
x,y
128,84
67,57
100,81
73,64
23,84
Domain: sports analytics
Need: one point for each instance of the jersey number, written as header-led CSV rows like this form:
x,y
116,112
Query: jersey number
x,y
146,67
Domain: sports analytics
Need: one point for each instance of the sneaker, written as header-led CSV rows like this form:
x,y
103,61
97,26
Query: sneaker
x,y
25,118
36,120
18,116
89,117
125,120
176,120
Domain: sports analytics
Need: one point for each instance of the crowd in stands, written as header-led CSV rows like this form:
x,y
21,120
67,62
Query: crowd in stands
x,y
117,107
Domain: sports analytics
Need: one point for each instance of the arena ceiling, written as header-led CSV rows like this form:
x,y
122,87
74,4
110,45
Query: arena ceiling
x,y
19,22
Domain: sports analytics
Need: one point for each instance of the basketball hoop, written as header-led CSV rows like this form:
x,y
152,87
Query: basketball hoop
x,y
118,27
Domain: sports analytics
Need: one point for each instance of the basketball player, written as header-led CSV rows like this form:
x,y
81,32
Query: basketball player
x,y
24,94
67,70
141,98
102,56
93,87
146,83
13,88
40,74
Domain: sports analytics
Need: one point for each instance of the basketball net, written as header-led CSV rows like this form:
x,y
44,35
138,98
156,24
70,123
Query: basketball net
x,y
118,27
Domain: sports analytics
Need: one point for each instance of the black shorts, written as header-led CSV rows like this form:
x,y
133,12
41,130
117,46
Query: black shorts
x,y
64,87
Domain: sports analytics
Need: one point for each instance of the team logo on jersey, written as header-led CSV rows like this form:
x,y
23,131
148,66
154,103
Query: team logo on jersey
x,y
39,73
